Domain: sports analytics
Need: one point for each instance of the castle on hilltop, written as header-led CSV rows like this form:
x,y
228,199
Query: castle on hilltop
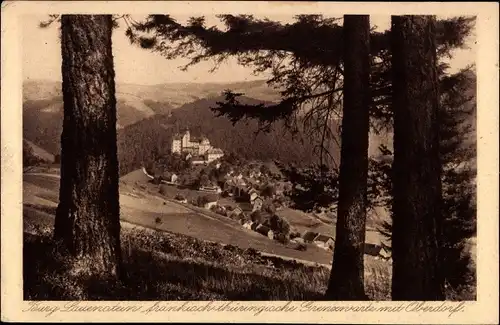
x,y
198,148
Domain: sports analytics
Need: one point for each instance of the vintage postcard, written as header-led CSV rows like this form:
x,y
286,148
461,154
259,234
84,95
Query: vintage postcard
x,y
284,162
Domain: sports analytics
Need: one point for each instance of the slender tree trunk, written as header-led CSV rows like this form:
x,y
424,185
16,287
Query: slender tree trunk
x,y
87,218
417,168
347,276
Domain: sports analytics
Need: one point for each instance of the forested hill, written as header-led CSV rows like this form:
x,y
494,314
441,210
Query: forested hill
x,y
43,104
138,142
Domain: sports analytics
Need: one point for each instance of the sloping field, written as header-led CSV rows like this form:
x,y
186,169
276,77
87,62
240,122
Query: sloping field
x,y
304,222
40,152
41,196
135,176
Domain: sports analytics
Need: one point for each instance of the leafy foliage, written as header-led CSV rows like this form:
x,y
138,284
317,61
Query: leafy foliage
x,y
458,154
303,57
312,187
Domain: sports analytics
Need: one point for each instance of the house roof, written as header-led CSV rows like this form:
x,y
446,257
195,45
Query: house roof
x,y
177,137
323,238
310,235
253,190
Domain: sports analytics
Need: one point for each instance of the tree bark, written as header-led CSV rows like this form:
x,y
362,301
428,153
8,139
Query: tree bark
x,y
87,218
417,181
347,275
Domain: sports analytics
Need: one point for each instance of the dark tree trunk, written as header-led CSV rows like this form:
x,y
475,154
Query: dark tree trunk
x,y
87,218
347,276
417,168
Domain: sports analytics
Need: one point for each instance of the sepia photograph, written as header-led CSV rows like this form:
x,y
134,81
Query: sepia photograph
x,y
206,156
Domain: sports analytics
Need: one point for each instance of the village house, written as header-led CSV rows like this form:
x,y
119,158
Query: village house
x,y
248,225
174,178
237,211
235,187
210,189
181,199
198,161
212,201
257,202
324,241
309,236
377,251
253,194
298,240
170,178
209,205
385,252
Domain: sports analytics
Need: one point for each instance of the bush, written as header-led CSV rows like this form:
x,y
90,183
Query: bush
x,y
256,216
179,197
202,200
163,190
279,225
243,216
158,220
269,207
282,238
301,247
294,234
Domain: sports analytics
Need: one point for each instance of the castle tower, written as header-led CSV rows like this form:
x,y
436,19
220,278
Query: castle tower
x,y
176,144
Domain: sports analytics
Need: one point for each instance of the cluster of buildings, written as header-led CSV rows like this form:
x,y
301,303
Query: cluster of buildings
x,y
236,185
199,150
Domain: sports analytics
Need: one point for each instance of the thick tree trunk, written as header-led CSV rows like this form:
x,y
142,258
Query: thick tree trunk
x,y
347,276
417,168
87,218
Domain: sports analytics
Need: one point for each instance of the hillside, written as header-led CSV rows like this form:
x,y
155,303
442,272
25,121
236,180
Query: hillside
x,y
137,142
170,94
37,152
42,104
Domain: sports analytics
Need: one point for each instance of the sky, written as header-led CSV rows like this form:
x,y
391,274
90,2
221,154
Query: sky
x,y
42,56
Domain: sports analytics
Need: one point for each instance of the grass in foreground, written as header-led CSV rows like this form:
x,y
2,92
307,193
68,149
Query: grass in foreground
x,y
164,266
